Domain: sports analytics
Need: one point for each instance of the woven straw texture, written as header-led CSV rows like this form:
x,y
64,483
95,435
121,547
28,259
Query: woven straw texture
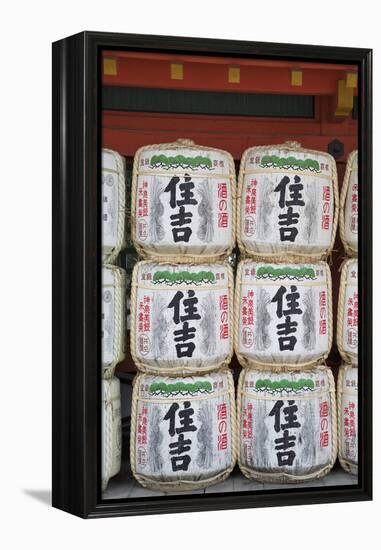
x,y
119,320
182,485
146,252
352,165
283,477
111,430
287,256
184,370
349,357
250,362
109,255
346,464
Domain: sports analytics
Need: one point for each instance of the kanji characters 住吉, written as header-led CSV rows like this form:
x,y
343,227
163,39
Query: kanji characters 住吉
x,y
178,448
289,220
183,217
287,340
182,335
283,444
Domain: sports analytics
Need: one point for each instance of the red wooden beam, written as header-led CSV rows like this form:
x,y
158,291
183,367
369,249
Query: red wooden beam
x,y
211,73
126,132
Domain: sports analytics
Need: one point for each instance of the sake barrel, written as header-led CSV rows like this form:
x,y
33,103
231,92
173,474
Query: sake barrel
x,y
347,406
181,317
113,317
347,312
111,430
287,203
183,202
349,206
283,314
113,205
287,424
183,430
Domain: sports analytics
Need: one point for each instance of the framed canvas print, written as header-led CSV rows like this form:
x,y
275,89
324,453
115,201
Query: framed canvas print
x,y
212,325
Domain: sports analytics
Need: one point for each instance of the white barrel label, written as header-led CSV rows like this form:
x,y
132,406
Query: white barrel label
x,y
113,202
349,414
181,314
351,309
286,421
183,427
351,203
287,201
349,291
113,315
184,201
284,312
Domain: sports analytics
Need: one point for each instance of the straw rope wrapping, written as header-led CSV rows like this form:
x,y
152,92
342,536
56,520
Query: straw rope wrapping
x,y
346,464
352,159
110,257
283,477
185,258
182,485
348,357
180,371
111,459
288,256
278,367
119,333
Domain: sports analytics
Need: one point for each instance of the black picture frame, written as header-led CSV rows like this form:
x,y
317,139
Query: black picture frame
x,y
77,274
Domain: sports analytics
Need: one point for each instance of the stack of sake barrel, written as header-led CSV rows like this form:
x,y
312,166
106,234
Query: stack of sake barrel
x,y
186,319
183,418
286,224
113,308
347,322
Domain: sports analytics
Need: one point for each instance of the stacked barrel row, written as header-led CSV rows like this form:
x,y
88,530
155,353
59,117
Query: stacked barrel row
x,y
288,212
183,420
347,322
186,317
113,308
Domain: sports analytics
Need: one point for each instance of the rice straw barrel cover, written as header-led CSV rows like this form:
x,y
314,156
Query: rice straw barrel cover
x,y
347,407
113,205
111,430
113,318
183,430
349,206
183,202
283,314
287,207
287,424
347,314
181,317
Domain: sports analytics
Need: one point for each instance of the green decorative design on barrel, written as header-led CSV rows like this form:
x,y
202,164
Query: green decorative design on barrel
x,y
180,161
269,271
284,384
171,278
290,163
183,388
